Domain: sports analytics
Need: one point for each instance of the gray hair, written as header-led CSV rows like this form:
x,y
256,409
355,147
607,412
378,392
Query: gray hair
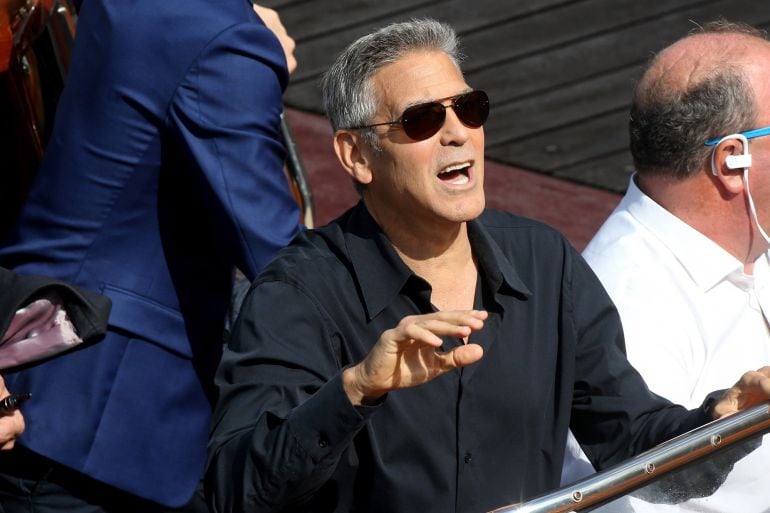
x,y
668,126
348,92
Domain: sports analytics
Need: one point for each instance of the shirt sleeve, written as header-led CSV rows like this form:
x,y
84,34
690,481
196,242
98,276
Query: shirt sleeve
x,y
283,421
225,117
614,414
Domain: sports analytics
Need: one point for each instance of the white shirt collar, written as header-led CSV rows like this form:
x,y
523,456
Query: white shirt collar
x,y
705,261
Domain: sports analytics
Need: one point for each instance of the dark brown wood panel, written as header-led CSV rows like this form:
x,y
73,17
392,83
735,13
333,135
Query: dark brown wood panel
x,y
464,16
564,147
555,108
552,29
609,171
604,52
317,19
571,137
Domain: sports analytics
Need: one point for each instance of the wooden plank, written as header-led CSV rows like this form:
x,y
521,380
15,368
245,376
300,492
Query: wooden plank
x,y
555,151
280,5
610,172
319,53
609,50
569,145
311,20
552,109
562,26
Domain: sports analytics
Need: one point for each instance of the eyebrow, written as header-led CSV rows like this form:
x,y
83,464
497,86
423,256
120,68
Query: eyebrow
x,y
420,102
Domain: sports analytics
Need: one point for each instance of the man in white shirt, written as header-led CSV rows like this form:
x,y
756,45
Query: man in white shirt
x,y
684,255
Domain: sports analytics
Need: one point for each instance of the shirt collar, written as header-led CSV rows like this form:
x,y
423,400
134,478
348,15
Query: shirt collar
x,y
704,260
382,274
496,267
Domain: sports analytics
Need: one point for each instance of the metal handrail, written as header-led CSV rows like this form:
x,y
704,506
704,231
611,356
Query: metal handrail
x,y
298,175
651,465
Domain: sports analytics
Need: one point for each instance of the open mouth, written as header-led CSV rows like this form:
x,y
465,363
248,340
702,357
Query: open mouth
x,y
458,174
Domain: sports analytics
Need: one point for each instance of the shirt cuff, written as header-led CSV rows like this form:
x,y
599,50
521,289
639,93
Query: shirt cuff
x,y
326,423
710,402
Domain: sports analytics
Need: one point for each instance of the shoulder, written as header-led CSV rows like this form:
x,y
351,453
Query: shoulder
x,y
527,242
519,232
315,259
625,255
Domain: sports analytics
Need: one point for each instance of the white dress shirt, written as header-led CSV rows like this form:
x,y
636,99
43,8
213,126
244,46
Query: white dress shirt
x,y
693,322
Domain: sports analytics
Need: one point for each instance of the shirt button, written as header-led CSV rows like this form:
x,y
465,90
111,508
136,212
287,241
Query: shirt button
x,y
468,457
322,442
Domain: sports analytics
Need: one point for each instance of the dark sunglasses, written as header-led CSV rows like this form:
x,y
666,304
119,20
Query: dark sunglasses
x,y
422,121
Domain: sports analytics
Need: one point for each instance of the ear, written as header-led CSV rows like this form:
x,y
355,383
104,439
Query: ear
x,y
728,164
351,153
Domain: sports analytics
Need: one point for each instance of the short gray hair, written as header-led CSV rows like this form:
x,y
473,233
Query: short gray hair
x,y
348,92
669,126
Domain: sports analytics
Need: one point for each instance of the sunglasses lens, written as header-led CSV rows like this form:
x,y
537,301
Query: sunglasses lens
x,y
472,108
422,121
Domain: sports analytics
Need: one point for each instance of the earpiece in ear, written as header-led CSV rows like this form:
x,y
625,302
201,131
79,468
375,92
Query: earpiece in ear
x,y
733,161
738,161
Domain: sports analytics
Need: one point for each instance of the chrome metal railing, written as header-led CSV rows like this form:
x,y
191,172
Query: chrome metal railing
x,y
678,453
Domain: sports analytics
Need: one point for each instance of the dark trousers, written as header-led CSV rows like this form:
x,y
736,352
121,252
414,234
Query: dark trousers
x,y
32,484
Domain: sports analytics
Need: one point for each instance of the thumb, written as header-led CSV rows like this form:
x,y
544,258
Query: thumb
x,y
462,356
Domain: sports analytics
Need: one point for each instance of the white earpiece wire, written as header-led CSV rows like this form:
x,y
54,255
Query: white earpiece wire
x,y
752,208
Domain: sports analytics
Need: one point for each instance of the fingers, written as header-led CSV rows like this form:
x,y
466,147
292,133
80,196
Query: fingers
x,y
11,427
429,328
11,423
751,389
406,355
272,21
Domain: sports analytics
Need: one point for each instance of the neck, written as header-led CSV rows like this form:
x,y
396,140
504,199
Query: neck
x,y
449,267
433,252
441,254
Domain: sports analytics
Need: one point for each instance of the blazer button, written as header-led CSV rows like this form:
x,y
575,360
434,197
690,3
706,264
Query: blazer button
x,y
468,457
322,442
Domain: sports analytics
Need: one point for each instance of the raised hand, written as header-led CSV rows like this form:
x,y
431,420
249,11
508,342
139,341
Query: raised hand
x,y
408,355
272,21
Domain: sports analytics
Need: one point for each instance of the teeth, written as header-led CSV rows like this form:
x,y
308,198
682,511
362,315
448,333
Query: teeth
x,y
456,167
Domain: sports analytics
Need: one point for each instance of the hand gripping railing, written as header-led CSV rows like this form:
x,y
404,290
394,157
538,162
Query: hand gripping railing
x,y
651,465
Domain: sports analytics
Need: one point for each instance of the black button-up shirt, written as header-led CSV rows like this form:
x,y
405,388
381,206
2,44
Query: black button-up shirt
x,y
286,437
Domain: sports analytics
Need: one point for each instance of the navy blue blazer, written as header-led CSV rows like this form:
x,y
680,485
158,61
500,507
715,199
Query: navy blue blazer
x,y
163,171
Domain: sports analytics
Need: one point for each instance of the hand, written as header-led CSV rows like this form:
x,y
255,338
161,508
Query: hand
x,y
753,388
407,356
11,423
272,21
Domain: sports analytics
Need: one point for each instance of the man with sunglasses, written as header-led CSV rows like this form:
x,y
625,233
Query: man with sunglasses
x,y
685,255
421,353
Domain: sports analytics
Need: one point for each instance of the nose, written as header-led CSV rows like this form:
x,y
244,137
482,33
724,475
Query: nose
x,y
454,132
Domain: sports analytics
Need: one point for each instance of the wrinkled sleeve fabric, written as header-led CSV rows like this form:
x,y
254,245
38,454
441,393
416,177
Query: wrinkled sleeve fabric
x,y
225,115
283,420
614,414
